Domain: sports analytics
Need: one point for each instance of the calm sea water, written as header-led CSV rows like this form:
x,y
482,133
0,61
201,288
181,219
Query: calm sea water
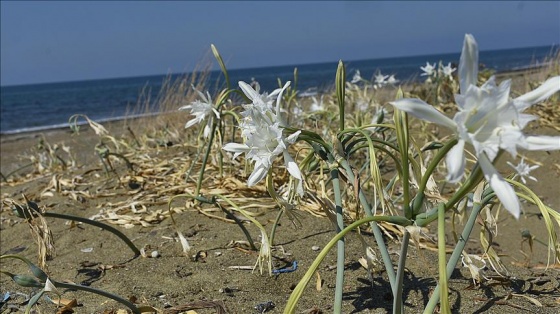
x,y
44,106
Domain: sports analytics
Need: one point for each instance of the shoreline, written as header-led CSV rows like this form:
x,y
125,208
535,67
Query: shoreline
x,y
24,132
63,126
528,73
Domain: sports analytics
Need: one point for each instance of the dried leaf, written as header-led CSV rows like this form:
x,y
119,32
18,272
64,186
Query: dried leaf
x,y
531,299
319,283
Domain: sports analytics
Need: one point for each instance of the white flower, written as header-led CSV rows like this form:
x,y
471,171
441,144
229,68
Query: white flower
x,y
265,254
489,120
261,106
448,71
379,80
429,69
392,80
317,105
297,111
356,78
362,104
523,170
255,85
201,109
476,271
263,137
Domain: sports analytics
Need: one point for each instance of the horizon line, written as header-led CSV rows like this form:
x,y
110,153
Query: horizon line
x,y
552,47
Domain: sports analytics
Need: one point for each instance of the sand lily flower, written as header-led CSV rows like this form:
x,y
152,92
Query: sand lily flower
x,y
448,71
356,78
379,80
489,120
263,136
429,69
317,105
523,170
392,80
296,110
201,109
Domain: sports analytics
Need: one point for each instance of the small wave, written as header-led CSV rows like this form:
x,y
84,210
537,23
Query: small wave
x,y
67,125
312,91
538,65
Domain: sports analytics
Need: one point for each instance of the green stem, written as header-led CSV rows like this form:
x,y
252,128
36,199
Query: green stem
x,y
205,159
474,179
431,168
213,201
383,149
340,243
99,225
444,294
401,122
434,163
378,235
106,294
398,287
5,177
240,224
370,138
298,290
39,274
432,303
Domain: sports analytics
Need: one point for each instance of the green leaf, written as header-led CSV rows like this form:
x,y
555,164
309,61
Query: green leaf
x,y
34,300
340,82
24,280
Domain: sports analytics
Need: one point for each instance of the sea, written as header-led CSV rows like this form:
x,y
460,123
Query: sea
x,y
37,107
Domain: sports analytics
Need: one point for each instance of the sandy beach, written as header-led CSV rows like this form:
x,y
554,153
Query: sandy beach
x,y
213,276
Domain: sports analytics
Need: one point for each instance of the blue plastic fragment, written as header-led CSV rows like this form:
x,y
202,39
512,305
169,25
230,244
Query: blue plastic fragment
x,y
286,270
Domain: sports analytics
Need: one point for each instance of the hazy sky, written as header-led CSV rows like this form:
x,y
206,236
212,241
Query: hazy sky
x,y
63,41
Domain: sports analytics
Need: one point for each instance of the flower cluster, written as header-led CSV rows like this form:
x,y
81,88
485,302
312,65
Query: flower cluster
x,y
433,72
379,80
487,119
262,131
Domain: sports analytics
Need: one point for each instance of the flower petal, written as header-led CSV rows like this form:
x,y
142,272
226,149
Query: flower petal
x,y
191,122
216,113
292,166
293,169
201,95
280,98
248,91
424,111
541,143
503,190
455,161
293,137
258,174
468,63
547,89
207,130
236,148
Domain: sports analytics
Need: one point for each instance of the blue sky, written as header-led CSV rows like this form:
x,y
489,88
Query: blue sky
x,y
64,41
